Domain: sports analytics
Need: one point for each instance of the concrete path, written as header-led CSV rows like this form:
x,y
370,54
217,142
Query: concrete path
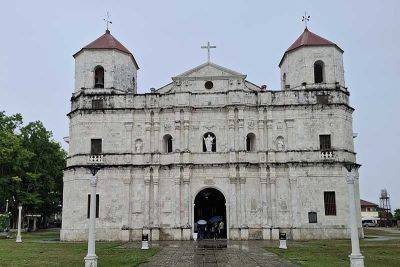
x,y
214,253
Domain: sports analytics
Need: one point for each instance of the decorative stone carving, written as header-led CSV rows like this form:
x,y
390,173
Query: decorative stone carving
x,y
138,145
167,126
280,143
251,124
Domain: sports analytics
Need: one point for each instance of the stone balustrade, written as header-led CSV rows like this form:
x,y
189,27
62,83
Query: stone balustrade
x,y
204,158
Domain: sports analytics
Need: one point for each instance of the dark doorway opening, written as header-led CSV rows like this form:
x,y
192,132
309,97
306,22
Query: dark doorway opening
x,y
209,205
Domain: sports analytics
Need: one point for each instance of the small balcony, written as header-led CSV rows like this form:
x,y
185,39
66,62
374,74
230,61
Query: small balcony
x,y
327,154
95,159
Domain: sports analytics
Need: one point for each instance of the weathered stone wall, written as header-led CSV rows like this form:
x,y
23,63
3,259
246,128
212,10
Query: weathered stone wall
x,y
299,66
119,69
260,200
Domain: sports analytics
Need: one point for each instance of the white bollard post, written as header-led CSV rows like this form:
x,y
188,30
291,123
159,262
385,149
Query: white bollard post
x,y
356,259
19,239
6,205
282,241
145,241
91,257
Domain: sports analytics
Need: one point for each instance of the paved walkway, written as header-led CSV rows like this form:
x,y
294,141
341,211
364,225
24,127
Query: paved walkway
x,y
214,253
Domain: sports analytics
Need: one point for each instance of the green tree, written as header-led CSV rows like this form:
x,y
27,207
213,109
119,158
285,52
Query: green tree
x,y
31,165
397,214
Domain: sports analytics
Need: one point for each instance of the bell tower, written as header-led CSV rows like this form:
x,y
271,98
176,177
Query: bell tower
x,y
311,60
106,63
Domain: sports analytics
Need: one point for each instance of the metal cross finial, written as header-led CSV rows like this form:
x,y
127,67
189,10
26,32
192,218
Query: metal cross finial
x,y
305,19
208,47
107,19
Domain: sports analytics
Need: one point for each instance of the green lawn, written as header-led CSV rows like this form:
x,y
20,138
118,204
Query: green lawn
x,y
41,249
335,252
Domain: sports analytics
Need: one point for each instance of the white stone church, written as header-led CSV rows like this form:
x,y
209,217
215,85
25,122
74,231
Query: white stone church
x,y
210,144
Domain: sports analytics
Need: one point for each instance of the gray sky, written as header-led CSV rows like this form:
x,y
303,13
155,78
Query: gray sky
x,y
38,40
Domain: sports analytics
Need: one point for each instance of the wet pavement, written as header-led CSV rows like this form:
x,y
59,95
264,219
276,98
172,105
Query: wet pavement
x,y
215,253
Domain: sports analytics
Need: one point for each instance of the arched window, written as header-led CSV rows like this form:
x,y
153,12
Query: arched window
x,y
251,142
99,77
209,142
319,71
167,140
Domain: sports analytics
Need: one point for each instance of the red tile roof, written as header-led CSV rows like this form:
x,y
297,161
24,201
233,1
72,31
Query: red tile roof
x,y
107,41
368,204
308,38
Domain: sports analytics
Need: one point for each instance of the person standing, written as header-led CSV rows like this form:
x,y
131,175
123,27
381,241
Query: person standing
x,y
220,229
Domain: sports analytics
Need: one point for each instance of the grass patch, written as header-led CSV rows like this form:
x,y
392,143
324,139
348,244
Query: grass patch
x,y
36,251
335,252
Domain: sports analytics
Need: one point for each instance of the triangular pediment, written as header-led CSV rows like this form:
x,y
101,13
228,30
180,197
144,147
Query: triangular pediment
x,y
209,69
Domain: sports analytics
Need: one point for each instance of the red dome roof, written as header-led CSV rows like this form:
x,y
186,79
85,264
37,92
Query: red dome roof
x,y
107,41
308,38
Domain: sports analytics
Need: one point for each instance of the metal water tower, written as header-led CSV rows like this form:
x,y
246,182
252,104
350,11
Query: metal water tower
x,y
384,205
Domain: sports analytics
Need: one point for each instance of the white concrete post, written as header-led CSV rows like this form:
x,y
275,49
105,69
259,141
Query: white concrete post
x,y
91,258
356,259
19,239
6,205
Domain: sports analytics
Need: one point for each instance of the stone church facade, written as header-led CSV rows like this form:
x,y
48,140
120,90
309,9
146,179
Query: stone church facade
x,y
275,157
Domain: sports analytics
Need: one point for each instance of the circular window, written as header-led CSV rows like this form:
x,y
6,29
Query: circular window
x,y
209,84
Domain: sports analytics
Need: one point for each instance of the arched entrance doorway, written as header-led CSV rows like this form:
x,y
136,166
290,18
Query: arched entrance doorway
x,y
209,205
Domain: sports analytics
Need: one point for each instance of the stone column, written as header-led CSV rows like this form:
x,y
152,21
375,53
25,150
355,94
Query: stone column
x,y
177,191
241,139
293,199
233,196
177,137
186,183
91,257
146,202
272,182
231,131
127,215
261,137
156,126
289,132
263,195
128,137
19,239
356,259
156,203
147,138
186,125
243,197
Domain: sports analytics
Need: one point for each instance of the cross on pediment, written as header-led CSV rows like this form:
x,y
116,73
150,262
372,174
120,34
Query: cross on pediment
x,y
208,47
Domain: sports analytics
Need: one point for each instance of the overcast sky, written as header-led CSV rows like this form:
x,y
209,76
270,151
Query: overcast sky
x,y
39,38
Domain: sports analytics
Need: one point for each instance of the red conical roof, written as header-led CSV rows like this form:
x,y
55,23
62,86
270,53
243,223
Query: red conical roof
x,y
107,41
308,38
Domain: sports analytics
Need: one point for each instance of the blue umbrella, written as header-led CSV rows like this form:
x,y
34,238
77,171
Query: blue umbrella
x,y
201,222
215,219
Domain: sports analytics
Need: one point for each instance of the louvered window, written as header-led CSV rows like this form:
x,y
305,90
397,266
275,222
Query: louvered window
x,y
325,142
330,203
95,148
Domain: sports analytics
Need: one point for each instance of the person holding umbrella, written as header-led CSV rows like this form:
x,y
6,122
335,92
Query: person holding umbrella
x,y
201,228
